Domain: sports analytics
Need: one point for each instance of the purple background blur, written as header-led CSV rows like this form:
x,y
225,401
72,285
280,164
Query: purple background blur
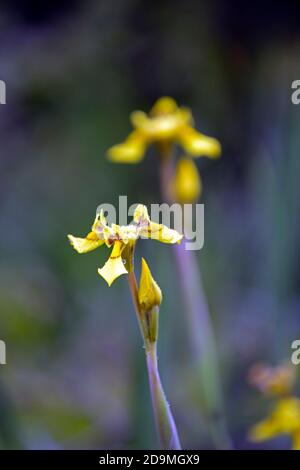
x,y
75,374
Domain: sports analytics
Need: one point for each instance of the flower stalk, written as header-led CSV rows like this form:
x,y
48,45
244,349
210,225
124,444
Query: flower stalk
x,y
164,420
167,125
147,298
203,345
199,324
148,324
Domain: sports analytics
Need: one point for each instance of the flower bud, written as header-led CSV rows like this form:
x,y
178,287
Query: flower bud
x,y
187,184
150,295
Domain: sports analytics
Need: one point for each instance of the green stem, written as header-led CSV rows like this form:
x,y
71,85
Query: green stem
x,y
165,424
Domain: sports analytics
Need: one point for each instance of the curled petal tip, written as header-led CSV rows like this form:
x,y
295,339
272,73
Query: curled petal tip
x,y
84,245
110,277
108,281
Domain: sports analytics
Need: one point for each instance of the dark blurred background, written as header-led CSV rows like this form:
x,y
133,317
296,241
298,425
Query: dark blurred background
x,y
75,374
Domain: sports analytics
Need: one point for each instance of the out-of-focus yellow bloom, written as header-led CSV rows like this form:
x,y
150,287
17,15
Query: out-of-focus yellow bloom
x,y
274,381
284,419
166,124
122,239
187,183
150,295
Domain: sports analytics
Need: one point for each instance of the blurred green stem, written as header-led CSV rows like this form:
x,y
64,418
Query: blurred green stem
x,y
200,327
165,424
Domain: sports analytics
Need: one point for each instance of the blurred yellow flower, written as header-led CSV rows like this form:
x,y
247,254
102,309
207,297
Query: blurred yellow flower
x,y
284,419
274,381
186,183
166,124
122,239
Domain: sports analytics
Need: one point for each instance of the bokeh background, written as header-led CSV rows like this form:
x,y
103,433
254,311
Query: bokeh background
x,y
75,374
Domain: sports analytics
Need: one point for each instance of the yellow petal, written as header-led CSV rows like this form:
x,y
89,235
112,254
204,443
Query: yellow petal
x,y
265,430
197,144
138,119
102,230
187,183
284,419
100,220
287,412
162,127
160,232
83,245
140,214
164,105
114,266
150,295
132,150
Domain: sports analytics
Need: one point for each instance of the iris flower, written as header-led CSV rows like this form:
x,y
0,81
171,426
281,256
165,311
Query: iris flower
x,y
284,419
166,124
122,240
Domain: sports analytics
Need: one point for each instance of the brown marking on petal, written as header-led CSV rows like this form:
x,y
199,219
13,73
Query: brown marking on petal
x,y
152,230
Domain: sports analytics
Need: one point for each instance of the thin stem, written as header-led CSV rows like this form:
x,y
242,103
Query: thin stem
x,y
165,424
203,344
164,420
135,297
200,326
166,176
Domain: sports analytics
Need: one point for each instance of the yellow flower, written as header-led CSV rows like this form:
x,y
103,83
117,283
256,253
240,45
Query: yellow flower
x,y
166,124
122,239
150,295
187,183
284,419
273,381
